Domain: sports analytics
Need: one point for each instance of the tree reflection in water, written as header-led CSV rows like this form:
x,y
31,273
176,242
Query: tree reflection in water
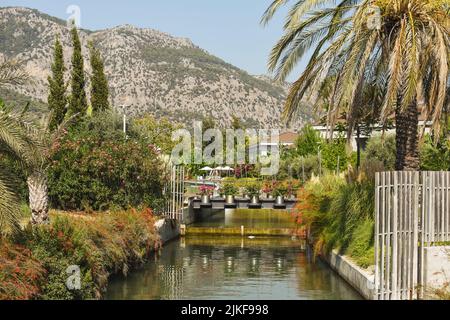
x,y
232,268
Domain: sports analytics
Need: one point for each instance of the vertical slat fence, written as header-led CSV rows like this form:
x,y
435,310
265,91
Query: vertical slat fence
x,y
412,212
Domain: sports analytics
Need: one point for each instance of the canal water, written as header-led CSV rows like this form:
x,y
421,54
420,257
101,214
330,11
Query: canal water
x,y
236,268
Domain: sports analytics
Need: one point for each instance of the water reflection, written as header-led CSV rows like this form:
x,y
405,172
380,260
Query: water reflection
x,y
263,218
232,268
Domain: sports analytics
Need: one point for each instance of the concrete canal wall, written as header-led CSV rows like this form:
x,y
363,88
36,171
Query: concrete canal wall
x,y
436,272
436,268
361,280
168,229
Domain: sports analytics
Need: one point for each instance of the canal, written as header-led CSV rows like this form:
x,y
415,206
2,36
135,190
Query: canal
x,y
223,267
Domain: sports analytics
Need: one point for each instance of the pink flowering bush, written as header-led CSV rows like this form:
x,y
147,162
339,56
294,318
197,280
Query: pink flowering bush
x,y
97,169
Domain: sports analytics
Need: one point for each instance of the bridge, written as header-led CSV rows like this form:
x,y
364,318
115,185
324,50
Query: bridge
x,y
221,203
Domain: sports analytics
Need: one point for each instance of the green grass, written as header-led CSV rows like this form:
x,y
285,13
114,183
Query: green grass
x,y
340,215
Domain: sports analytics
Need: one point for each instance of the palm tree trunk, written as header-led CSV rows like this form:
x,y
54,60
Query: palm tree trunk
x,y
407,139
37,187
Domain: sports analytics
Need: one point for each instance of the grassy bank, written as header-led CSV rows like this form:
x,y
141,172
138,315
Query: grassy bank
x,y
34,264
339,212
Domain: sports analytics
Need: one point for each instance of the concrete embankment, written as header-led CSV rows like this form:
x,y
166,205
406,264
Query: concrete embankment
x,y
168,229
361,280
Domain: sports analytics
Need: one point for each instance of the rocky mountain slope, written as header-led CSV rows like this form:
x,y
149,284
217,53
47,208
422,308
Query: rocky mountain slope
x,y
148,71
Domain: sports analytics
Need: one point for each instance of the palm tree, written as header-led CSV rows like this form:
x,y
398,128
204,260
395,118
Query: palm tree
x,y
36,167
28,143
14,143
399,47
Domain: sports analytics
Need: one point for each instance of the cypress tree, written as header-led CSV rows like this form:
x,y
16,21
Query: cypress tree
x,y
57,101
78,101
99,82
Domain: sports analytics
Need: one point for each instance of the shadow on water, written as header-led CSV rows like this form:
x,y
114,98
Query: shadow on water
x,y
232,268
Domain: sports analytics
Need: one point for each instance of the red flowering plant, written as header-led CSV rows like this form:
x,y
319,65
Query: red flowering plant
x,y
268,187
206,190
21,275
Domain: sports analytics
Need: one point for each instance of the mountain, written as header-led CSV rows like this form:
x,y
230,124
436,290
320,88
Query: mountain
x,y
149,72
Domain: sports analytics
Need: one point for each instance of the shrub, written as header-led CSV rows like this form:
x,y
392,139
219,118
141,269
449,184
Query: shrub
x,y
229,188
340,215
334,152
253,188
293,168
100,245
21,275
97,168
280,189
383,150
308,142
435,156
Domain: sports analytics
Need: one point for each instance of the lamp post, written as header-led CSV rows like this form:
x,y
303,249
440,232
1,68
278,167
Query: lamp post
x,y
124,121
125,102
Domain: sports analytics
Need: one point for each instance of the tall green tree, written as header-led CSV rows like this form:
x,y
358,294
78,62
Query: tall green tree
x,y
99,82
308,142
57,100
78,101
400,46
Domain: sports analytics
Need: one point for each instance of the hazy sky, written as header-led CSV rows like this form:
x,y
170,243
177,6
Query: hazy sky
x,y
229,29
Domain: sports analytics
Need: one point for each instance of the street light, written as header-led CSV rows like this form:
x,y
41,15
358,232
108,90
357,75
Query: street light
x,y
124,121
125,102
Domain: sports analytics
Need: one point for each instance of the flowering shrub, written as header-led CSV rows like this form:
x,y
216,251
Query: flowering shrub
x,y
20,274
100,245
206,190
268,187
94,170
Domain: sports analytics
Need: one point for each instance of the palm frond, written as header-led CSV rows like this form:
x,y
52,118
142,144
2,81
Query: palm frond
x,y
271,10
11,72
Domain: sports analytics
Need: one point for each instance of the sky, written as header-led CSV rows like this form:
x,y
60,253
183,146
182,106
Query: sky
x,y
229,29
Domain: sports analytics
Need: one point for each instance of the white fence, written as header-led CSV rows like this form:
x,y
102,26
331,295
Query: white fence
x,y
174,194
412,212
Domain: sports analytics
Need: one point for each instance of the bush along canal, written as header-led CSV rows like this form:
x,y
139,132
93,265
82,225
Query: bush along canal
x,y
220,263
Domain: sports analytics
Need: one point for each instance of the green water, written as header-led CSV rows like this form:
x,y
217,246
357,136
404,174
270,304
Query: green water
x,y
250,219
227,268
224,267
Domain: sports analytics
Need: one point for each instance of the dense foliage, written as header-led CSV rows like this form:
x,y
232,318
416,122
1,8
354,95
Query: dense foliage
x,y
340,214
96,167
382,149
435,156
21,275
100,245
312,156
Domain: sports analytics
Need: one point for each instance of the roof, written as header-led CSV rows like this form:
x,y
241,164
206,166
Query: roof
x,y
288,137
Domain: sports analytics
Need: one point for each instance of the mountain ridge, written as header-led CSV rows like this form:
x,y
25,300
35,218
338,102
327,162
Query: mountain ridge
x,y
149,71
